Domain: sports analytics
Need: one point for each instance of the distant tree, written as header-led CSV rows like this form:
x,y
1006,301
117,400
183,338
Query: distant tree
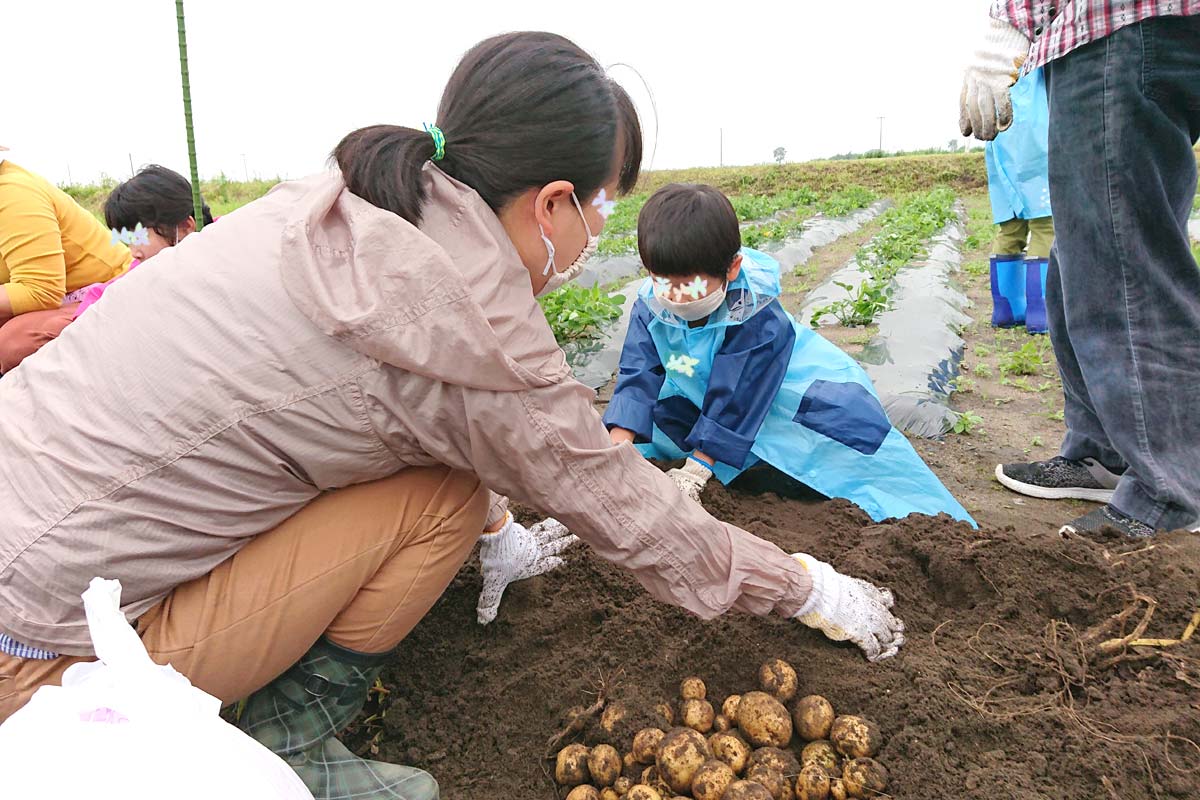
x,y
780,155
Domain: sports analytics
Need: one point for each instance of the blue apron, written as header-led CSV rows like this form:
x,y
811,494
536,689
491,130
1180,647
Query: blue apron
x,y
1017,167
825,427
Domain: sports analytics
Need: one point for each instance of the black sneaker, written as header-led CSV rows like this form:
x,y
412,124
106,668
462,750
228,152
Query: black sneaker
x,y
1109,517
1061,479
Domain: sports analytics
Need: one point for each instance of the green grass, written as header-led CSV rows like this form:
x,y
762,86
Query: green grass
x,y
221,194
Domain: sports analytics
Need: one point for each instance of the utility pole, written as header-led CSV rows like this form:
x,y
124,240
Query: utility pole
x,y
131,169
881,119
721,157
245,169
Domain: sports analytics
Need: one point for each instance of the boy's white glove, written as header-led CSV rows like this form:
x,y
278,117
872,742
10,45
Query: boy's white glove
x,y
845,608
690,478
515,553
985,107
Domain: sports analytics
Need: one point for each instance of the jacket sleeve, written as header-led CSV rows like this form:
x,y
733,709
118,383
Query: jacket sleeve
x,y
547,448
639,379
746,375
31,246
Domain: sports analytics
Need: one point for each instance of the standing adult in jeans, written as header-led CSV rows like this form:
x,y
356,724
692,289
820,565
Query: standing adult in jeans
x,y
1123,291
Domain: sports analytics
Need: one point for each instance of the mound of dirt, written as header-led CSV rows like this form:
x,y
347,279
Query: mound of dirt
x,y
1004,689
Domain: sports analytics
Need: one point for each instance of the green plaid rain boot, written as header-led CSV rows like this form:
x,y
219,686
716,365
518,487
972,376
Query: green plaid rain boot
x,y
298,715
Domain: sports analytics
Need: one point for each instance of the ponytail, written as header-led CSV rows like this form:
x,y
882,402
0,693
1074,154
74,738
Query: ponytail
x,y
521,110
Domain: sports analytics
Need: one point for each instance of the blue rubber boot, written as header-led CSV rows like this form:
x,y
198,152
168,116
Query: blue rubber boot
x,y
1008,290
1035,295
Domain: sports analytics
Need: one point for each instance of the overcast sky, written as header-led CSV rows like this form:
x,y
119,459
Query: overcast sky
x,y
276,83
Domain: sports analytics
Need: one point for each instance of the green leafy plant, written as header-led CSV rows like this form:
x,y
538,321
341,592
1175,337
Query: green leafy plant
x,y
966,422
575,312
982,370
963,385
865,301
1028,359
846,201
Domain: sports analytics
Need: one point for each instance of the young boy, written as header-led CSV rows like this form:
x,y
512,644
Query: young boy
x,y
715,370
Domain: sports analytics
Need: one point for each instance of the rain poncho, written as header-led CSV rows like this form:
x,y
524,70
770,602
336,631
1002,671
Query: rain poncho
x,y
752,385
1018,172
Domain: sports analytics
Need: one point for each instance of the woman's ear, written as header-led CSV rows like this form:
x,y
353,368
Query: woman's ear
x,y
187,226
735,269
551,196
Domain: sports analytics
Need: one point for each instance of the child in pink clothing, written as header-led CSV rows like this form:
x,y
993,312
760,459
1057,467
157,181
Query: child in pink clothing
x,y
154,211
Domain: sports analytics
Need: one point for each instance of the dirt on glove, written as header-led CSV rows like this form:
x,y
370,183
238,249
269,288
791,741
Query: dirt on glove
x,y
1009,686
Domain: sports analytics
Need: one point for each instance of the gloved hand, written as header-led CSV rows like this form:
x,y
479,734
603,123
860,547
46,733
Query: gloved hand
x,y
845,608
985,108
691,477
515,553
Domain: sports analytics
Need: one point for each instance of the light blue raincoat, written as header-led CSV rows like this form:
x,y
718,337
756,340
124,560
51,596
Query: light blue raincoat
x,y
752,385
1018,172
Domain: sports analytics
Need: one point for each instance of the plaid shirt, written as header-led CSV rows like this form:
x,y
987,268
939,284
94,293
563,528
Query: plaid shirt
x,y
1056,27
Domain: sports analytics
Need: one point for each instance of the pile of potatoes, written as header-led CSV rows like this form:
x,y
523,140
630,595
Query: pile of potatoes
x,y
752,748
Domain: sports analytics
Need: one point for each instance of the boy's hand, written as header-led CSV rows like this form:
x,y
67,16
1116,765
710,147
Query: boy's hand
x,y
690,478
621,435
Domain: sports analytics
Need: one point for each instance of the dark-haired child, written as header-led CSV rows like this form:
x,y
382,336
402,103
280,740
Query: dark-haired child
x,y
157,205
715,370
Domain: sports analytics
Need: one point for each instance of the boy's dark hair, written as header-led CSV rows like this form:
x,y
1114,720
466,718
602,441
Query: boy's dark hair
x,y
521,110
157,197
688,229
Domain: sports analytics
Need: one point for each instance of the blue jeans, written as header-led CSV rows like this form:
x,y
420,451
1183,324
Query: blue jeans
x,y
1123,292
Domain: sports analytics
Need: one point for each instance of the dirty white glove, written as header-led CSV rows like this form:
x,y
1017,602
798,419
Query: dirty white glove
x,y
691,477
515,553
985,107
845,608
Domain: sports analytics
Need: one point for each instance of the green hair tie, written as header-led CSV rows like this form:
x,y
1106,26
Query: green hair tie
x,y
439,141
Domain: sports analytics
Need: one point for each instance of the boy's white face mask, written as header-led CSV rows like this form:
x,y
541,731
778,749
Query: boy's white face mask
x,y
688,310
570,273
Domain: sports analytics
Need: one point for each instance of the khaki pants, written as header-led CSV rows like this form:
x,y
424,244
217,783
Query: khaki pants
x,y
361,565
1013,234
24,334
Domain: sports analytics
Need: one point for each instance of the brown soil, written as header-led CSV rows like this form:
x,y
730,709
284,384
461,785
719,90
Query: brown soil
x,y
998,692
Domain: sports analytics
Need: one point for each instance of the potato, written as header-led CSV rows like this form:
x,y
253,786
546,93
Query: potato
x,y
642,792
575,718
571,765
772,779
711,780
697,715
612,716
732,750
681,752
778,678
747,790
781,761
855,737
622,786
813,716
609,793
645,744
584,793
823,754
764,720
721,723
665,711
864,777
813,783
837,789
729,708
692,689
604,763
630,767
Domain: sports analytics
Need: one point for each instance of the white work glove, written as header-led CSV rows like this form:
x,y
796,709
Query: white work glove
x,y
690,478
845,608
515,553
985,108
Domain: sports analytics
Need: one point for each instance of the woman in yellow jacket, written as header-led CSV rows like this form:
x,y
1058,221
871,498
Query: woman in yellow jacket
x,y
49,248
